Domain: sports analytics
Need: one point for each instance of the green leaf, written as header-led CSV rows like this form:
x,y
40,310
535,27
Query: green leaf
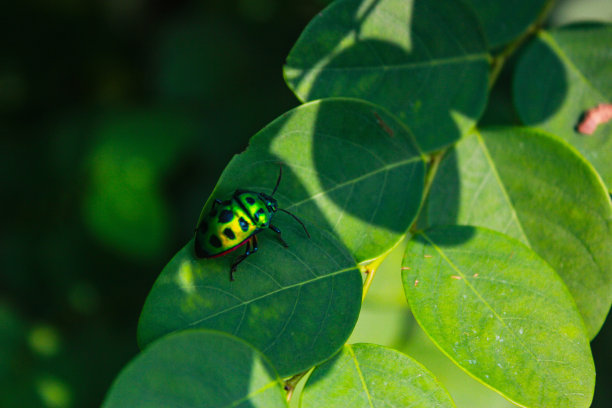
x,y
504,21
298,305
369,376
124,205
12,332
562,74
197,368
501,314
535,188
348,166
425,61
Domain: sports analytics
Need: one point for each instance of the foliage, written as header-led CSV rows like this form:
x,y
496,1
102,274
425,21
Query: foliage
x,y
515,309
436,164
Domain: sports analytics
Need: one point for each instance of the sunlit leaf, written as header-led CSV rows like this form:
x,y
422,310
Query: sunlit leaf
x,y
372,376
298,305
537,189
562,74
197,368
425,61
464,389
501,313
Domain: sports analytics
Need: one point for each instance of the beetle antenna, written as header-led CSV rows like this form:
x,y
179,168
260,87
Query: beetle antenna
x,y
298,220
280,174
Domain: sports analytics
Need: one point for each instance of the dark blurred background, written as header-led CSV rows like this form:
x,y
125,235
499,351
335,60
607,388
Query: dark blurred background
x,y
116,119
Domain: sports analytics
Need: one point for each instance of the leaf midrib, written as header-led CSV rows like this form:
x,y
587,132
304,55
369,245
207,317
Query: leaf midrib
x,y
407,65
358,368
550,41
502,186
486,303
356,180
244,303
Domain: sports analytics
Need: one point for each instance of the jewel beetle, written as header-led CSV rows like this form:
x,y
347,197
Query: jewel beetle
x,y
233,223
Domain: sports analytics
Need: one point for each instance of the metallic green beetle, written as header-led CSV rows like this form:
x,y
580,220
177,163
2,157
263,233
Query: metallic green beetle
x,y
235,222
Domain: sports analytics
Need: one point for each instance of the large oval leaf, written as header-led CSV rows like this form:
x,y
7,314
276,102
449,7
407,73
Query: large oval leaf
x,y
503,21
561,75
372,376
348,166
298,305
535,188
194,369
423,60
501,313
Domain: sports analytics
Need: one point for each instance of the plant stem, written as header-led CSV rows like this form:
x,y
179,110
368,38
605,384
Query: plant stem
x,y
434,163
499,60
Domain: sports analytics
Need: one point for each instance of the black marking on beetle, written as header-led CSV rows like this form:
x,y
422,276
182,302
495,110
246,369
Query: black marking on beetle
x,y
215,241
229,233
250,200
244,226
259,213
226,216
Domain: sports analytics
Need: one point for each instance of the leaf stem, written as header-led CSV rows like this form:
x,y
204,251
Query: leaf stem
x,y
291,383
370,270
434,163
499,60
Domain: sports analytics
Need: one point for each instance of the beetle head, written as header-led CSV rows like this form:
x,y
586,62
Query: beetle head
x,y
271,204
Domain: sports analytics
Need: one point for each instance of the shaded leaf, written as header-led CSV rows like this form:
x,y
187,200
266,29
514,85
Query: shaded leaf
x,y
500,313
425,61
348,166
372,376
197,368
298,305
535,188
504,21
562,74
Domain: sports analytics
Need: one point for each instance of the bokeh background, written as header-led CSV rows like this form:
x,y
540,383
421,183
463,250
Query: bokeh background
x,y
116,119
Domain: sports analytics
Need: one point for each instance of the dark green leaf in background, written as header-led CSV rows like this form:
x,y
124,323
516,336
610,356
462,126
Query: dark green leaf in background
x,y
11,333
198,369
425,61
183,56
561,75
298,305
503,21
501,313
535,188
348,166
124,206
372,376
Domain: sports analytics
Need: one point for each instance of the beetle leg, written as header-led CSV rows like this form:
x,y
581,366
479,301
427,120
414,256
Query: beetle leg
x,y
275,229
251,248
255,244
